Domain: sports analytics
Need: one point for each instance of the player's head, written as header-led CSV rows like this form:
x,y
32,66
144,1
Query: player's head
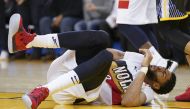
x,y
162,80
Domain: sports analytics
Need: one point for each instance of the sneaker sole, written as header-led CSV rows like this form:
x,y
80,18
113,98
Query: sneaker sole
x,y
14,23
27,101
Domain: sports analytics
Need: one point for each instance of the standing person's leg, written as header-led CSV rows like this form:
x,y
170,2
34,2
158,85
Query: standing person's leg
x,y
139,39
188,7
135,35
184,25
176,37
185,96
164,45
149,30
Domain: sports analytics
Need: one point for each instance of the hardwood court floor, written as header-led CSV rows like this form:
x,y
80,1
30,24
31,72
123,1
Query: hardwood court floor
x,y
21,76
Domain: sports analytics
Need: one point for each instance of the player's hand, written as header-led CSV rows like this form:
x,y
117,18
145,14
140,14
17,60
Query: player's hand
x,y
20,2
90,6
57,21
147,57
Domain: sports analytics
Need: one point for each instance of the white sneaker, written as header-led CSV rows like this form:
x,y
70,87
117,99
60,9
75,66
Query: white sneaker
x,y
4,55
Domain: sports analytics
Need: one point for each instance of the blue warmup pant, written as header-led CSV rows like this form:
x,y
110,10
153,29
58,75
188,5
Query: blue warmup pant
x,y
139,34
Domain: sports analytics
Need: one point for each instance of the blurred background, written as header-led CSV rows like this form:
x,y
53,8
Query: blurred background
x,y
54,16
19,74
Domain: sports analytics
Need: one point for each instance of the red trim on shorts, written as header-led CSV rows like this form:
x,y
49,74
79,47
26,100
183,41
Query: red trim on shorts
x,y
116,93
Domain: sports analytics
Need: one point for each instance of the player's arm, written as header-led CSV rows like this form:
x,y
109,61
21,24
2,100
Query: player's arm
x,y
133,95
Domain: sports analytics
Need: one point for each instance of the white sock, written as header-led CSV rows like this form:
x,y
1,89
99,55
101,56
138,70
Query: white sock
x,y
158,60
63,82
156,57
154,52
45,41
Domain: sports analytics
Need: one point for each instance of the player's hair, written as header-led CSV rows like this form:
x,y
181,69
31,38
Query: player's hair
x,y
168,86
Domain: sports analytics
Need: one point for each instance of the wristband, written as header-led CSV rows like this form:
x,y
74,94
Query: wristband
x,y
144,70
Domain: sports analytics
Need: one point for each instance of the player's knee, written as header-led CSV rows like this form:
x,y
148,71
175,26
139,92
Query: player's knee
x,y
103,38
107,56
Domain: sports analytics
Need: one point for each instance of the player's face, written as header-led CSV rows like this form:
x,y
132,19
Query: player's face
x,y
161,75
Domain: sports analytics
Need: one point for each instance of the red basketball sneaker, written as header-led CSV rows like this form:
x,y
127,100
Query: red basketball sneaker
x,y
18,38
34,98
184,96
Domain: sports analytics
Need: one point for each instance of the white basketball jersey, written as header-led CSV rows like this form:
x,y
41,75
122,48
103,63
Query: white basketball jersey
x,y
121,74
137,12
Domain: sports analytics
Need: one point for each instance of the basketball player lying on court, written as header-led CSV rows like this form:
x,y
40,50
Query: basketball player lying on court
x,y
91,73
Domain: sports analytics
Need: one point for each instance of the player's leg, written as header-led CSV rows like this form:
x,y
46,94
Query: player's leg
x,y
19,39
185,96
96,69
150,32
137,36
188,9
176,36
81,74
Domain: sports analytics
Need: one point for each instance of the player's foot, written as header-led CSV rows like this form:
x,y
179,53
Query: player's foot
x,y
34,98
18,38
184,96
